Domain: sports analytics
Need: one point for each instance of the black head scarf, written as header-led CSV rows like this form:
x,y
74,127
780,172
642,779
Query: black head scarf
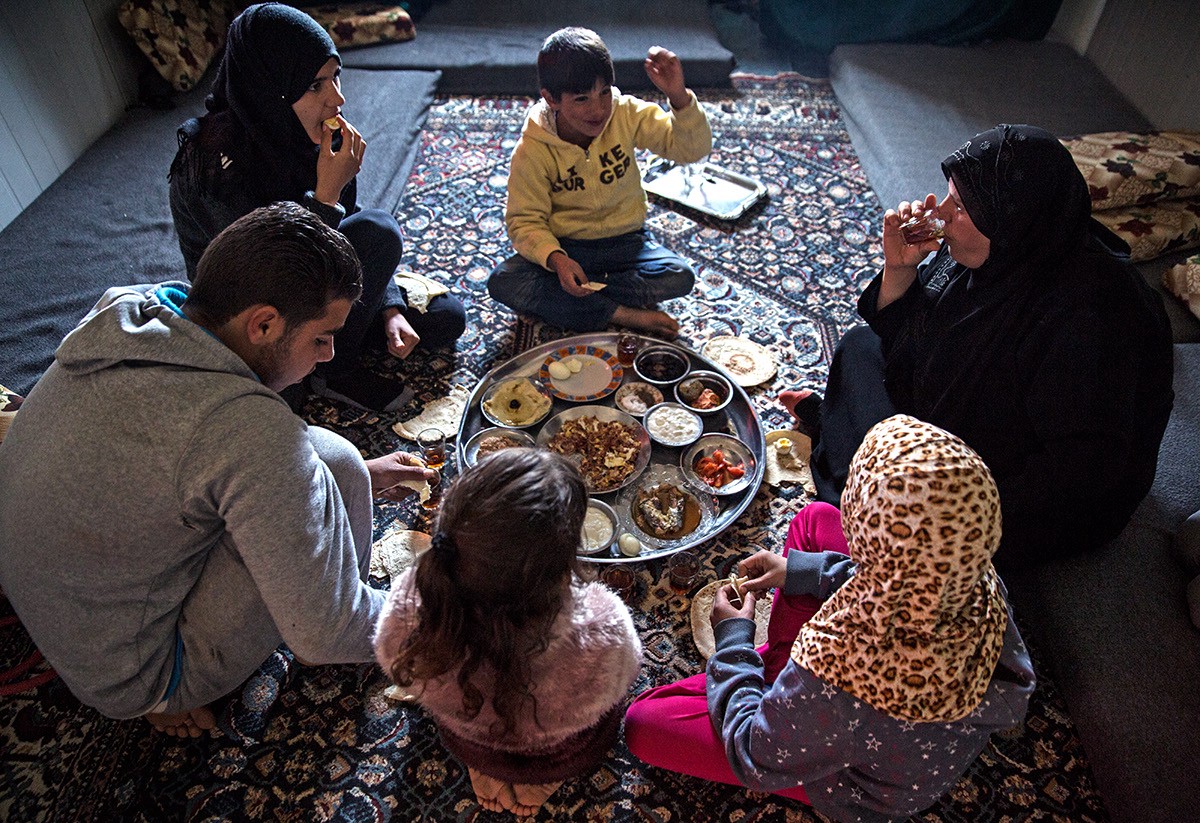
x,y
271,56
1023,191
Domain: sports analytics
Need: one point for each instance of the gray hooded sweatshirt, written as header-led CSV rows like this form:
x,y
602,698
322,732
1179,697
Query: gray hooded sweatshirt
x,y
146,444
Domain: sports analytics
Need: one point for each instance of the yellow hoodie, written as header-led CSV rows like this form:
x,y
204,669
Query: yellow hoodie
x,y
556,189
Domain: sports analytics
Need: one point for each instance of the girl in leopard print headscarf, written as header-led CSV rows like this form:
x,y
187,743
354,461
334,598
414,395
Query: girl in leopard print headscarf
x,y
891,653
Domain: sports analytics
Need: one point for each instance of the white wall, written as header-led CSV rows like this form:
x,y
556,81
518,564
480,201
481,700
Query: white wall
x,y
66,76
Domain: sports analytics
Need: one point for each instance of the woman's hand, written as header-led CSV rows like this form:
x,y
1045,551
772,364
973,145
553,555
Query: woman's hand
x,y
570,274
389,471
723,608
666,72
337,168
401,338
899,258
765,569
895,251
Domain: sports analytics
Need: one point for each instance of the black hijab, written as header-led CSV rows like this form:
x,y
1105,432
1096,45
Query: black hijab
x,y
271,56
1022,190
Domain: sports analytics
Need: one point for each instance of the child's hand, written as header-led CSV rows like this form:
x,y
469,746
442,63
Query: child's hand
x,y
570,274
765,569
723,609
666,73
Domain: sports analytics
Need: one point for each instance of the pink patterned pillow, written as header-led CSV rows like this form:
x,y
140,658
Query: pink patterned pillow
x,y
361,24
180,37
1126,168
1183,281
1170,225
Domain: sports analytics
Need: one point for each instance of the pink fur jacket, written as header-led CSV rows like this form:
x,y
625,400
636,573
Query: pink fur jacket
x,y
592,660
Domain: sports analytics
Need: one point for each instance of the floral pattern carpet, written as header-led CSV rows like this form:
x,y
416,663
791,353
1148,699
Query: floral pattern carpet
x,y
306,744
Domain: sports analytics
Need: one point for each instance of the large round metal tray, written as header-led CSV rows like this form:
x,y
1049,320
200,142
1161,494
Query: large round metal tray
x,y
738,419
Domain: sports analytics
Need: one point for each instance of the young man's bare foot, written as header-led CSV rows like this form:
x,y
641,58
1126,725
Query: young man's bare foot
x,y
192,723
651,321
492,794
530,797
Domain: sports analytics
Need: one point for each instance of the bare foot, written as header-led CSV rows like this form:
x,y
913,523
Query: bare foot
x,y
492,794
805,407
652,321
192,723
530,797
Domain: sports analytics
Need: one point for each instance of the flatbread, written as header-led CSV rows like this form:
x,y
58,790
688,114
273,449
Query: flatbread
x,y
747,362
798,470
592,285
419,289
444,413
396,551
702,604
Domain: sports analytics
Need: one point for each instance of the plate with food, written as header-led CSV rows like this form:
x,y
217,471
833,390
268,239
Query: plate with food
x,y
516,403
636,397
719,464
581,374
600,527
610,447
498,438
663,511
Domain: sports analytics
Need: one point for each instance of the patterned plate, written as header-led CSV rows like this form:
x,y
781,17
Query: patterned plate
x,y
600,376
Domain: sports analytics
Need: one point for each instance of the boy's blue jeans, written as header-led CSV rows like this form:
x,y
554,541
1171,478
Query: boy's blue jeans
x,y
639,273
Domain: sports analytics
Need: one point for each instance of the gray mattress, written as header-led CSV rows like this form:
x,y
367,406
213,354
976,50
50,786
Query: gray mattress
x,y
106,222
490,48
908,106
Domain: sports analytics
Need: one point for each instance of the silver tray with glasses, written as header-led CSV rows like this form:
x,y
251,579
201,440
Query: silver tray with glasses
x,y
738,419
704,186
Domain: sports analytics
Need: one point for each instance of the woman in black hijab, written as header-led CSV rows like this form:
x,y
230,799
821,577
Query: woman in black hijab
x,y
267,136
1028,334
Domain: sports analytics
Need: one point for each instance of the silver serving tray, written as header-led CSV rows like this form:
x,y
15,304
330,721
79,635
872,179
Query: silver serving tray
x,y
739,419
705,187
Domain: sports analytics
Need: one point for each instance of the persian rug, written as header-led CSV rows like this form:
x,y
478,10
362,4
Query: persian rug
x,y
324,743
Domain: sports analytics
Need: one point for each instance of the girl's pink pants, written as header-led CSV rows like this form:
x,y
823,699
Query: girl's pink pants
x,y
669,727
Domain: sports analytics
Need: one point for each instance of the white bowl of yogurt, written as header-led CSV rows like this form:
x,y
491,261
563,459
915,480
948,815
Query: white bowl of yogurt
x,y
673,424
600,528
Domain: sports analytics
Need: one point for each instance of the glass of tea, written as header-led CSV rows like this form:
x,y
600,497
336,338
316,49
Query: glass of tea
x,y
435,494
922,227
682,570
432,443
620,579
627,348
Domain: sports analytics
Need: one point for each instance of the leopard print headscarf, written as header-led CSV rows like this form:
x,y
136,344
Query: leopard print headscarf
x,y
917,631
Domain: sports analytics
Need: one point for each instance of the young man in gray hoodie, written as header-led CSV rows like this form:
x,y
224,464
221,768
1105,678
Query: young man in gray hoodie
x,y
165,520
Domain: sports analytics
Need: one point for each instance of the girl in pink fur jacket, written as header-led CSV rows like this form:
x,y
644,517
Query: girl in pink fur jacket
x,y
524,666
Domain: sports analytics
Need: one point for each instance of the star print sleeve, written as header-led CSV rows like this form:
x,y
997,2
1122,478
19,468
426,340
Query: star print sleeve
x,y
775,737
819,574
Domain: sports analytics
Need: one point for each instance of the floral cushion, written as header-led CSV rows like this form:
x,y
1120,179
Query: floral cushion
x,y
1170,225
10,401
179,36
1124,168
1183,281
360,24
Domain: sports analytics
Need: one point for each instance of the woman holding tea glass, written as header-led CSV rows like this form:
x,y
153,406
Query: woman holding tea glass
x,y
1028,334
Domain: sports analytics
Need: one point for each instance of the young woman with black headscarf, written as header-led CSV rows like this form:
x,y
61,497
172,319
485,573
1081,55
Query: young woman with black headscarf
x,y
1028,334
267,136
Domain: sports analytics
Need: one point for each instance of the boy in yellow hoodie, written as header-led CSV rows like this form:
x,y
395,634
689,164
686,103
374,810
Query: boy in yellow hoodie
x,y
576,208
